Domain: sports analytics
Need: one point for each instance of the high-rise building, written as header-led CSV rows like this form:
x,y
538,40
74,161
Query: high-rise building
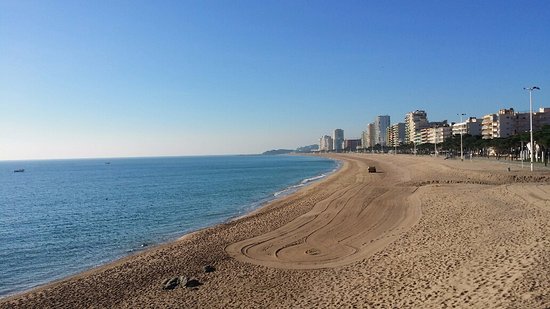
x,y
381,124
396,134
325,143
367,139
414,122
338,140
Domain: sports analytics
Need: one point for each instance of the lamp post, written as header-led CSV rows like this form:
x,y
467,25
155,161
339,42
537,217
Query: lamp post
x,y
461,147
435,142
530,89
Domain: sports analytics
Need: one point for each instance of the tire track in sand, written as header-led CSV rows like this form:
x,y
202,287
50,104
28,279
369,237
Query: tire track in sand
x,y
354,222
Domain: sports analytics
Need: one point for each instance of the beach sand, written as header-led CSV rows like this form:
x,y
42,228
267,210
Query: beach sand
x,y
422,232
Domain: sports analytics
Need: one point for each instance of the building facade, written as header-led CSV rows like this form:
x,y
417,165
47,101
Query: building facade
x,y
414,122
509,122
352,144
506,123
435,134
381,124
396,134
325,144
338,140
471,126
489,126
367,138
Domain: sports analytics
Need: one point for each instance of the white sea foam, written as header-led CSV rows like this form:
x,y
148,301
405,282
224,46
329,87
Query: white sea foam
x,y
307,181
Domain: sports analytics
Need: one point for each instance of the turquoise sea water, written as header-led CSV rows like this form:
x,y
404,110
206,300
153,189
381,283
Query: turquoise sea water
x,y
60,217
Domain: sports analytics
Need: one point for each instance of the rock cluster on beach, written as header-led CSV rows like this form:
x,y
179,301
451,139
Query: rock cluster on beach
x,y
188,282
172,283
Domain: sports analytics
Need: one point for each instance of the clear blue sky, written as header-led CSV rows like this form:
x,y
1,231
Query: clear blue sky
x,y
148,78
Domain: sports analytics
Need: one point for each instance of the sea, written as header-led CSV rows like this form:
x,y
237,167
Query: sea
x,y
61,217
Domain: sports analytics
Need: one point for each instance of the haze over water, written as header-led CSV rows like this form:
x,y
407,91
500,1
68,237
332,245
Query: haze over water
x,y
60,217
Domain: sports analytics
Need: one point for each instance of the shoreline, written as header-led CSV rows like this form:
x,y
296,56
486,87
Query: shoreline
x,y
186,235
422,232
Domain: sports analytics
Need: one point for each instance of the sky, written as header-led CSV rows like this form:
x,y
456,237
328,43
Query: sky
x,y
81,79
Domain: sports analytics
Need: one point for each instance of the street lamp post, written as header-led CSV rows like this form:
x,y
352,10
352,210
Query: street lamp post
x,y
530,89
435,142
461,147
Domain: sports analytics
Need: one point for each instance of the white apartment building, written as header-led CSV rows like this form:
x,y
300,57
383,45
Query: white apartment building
x,y
489,126
414,122
396,134
508,122
471,126
325,143
436,134
367,138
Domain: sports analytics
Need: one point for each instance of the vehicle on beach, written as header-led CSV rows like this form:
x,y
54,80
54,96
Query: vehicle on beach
x,y
372,169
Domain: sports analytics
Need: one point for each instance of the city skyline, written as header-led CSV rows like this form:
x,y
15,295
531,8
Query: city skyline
x,y
135,79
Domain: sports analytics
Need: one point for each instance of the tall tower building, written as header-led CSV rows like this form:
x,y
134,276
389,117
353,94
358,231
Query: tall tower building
x,y
414,122
338,140
368,136
381,124
325,143
396,134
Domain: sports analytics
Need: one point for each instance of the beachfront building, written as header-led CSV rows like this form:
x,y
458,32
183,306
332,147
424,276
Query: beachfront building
x,y
541,118
489,126
506,123
367,138
396,134
370,130
471,126
364,140
352,144
381,124
414,122
435,134
338,140
325,143
418,138
509,122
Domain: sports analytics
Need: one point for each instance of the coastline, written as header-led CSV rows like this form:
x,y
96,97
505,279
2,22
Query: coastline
x,y
254,208
461,249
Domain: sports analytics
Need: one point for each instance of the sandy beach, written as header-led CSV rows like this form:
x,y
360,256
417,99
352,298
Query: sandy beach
x,y
422,232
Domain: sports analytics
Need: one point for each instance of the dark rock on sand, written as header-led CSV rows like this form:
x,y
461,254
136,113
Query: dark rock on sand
x,y
209,268
191,282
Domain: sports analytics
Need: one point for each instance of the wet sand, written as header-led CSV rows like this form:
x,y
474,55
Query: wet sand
x,y
422,232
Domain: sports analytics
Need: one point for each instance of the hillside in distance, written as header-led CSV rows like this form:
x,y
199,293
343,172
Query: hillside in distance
x,y
303,149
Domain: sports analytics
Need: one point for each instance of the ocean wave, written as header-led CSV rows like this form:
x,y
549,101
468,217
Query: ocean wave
x,y
312,179
291,189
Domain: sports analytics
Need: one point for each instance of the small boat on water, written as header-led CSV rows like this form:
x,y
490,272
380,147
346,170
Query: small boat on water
x,y
19,170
